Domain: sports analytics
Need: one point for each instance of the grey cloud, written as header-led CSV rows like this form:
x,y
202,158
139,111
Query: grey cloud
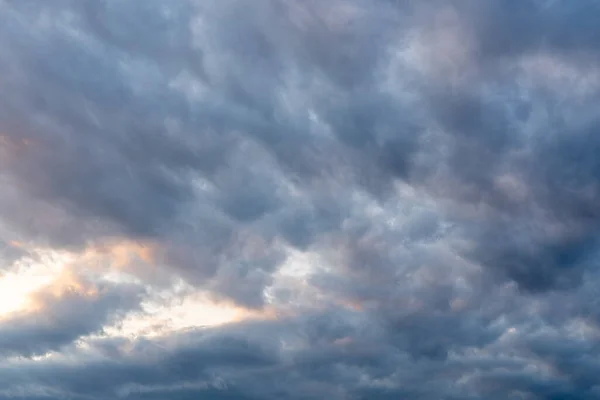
x,y
250,360
9,253
450,192
177,361
518,27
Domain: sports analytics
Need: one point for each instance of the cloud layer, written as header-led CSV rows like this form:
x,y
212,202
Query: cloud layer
x,y
398,199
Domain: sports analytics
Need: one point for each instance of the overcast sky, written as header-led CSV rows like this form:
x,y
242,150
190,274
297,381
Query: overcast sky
x,y
299,199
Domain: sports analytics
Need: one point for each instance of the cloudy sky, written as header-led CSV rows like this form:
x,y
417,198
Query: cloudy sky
x,y
299,199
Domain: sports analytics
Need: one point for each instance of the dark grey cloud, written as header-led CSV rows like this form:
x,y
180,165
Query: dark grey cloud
x,y
436,159
306,357
509,28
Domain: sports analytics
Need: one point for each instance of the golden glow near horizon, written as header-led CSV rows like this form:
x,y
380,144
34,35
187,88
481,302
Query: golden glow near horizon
x,y
16,289
55,273
193,311
28,277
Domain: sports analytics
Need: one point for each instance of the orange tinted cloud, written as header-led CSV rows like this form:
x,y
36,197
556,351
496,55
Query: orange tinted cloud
x,y
124,252
17,244
124,256
61,273
67,283
11,143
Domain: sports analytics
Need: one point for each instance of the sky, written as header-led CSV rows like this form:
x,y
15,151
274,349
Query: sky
x,y
299,199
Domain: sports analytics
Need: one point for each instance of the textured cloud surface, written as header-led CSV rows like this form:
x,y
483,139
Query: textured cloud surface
x,y
299,199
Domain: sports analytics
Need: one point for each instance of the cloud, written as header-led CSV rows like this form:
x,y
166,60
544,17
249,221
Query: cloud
x,y
401,197
60,313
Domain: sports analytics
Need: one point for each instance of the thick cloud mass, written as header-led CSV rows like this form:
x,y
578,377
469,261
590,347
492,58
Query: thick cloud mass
x,y
407,194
